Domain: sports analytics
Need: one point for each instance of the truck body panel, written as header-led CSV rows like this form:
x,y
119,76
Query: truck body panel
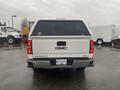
x,y
49,46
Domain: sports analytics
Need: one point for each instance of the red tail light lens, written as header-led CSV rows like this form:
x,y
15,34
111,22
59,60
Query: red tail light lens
x,y
91,47
29,47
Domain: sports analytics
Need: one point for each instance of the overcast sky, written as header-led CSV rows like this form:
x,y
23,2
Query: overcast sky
x,y
95,12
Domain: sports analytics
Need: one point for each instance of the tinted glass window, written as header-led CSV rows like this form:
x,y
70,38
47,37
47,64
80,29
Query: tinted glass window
x,y
60,28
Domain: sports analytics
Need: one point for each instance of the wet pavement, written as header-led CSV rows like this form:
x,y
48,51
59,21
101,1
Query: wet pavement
x,y
14,74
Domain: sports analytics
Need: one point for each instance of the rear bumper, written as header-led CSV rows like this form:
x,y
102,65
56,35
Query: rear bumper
x,y
46,64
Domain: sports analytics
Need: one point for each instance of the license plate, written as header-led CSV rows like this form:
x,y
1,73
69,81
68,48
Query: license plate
x,y
61,61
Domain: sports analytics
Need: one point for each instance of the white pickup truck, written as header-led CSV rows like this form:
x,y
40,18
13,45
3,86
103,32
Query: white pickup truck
x,y
9,34
60,44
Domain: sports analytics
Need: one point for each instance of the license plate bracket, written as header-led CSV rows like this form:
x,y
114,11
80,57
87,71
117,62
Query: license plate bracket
x,y
61,61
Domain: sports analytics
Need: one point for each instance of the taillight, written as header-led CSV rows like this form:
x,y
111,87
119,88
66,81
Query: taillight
x,y
91,47
29,47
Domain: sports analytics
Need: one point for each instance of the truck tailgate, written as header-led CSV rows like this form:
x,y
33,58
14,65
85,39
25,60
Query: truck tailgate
x,y
60,45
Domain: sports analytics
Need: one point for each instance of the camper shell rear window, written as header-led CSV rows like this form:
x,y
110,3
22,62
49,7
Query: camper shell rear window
x,y
60,28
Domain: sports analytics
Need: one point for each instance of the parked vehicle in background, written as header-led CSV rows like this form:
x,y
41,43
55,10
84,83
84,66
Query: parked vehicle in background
x,y
107,33
116,42
60,44
10,34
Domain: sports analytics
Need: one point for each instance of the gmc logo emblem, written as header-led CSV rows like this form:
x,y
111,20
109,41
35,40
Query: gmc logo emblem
x,y
61,48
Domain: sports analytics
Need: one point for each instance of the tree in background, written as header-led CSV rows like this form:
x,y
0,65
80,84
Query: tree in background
x,y
25,27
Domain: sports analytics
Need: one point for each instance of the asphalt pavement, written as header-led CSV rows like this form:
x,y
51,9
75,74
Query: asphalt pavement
x,y
14,74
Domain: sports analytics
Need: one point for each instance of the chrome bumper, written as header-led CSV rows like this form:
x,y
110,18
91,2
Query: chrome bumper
x,y
46,64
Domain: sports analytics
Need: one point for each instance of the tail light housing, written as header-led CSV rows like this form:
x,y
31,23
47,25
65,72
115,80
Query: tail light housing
x,y
29,47
91,51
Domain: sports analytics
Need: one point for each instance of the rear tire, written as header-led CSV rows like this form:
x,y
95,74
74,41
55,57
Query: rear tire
x,y
11,40
81,69
100,41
